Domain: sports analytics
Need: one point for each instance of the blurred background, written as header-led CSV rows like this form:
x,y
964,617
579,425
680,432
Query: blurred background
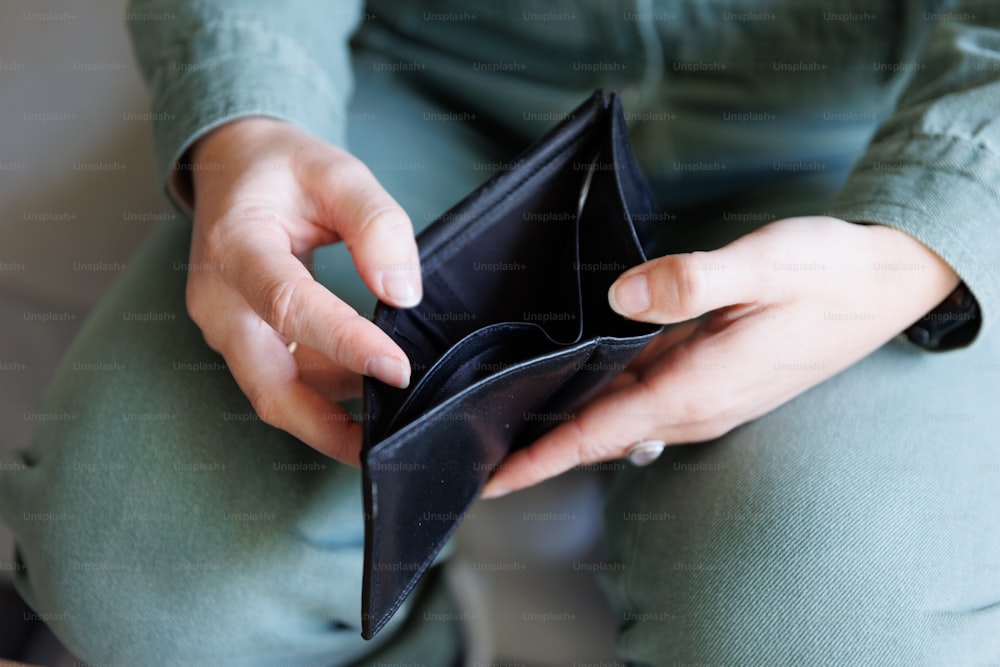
x,y
76,175
77,196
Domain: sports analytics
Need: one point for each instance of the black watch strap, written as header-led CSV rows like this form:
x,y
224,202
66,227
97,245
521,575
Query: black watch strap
x,y
953,323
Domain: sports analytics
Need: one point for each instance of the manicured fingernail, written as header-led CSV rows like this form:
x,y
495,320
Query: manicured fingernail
x,y
630,296
388,370
402,286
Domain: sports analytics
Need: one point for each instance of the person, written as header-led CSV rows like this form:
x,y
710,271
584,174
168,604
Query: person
x,y
828,175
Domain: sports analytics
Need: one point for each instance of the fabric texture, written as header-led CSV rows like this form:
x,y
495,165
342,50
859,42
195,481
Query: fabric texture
x,y
210,61
159,522
855,525
767,91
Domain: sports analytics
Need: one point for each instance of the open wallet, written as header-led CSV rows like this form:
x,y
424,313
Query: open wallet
x,y
514,332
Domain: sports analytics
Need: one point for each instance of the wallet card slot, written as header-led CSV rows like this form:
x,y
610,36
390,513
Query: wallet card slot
x,y
481,354
519,270
427,331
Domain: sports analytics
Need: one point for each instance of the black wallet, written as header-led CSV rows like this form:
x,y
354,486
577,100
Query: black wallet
x,y
514,333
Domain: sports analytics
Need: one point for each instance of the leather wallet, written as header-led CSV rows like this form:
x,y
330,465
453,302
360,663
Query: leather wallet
x,y
513,333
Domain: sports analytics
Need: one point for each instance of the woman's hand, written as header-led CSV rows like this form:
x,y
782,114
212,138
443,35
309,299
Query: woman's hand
x,y
785,307
267,194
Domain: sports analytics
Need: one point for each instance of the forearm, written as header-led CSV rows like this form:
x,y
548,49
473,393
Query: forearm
x,y
209,62
932,168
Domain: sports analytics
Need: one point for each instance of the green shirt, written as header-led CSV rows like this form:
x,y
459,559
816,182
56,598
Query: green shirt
x,y
910,90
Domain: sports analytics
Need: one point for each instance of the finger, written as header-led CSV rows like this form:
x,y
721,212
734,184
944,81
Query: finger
x,y
672,336
638,410
577,442
331,380
268,375
601,432
626,378
596,434
375,228
283,293
681,287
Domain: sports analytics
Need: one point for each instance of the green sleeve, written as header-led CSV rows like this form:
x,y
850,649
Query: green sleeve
x,y
933,168
207,62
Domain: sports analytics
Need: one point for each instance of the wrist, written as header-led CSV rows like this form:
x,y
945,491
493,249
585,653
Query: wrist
x,y
914,271
231,136
233,146
946,312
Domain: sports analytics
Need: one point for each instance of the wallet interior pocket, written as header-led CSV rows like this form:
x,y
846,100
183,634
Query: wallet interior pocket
x,y
528,270
608,246
479,355
514,333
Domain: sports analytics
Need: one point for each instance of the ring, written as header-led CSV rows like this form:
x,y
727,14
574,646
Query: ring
x,y
645,452
294,345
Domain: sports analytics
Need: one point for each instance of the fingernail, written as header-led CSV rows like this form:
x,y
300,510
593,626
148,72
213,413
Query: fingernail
x,y
490,491
402,286
630,296
388,370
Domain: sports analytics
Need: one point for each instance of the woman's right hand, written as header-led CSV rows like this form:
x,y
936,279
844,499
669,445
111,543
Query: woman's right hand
x,y
266,195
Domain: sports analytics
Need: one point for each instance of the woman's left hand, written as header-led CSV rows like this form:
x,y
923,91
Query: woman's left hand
x,y
785,307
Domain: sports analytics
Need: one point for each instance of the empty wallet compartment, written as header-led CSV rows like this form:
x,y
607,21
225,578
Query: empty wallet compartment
x,y
513,333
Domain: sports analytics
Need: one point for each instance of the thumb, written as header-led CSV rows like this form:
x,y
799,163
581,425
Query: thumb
x,y
681,287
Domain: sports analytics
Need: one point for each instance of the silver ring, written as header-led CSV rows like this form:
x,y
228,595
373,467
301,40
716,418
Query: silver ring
x,y
645,452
